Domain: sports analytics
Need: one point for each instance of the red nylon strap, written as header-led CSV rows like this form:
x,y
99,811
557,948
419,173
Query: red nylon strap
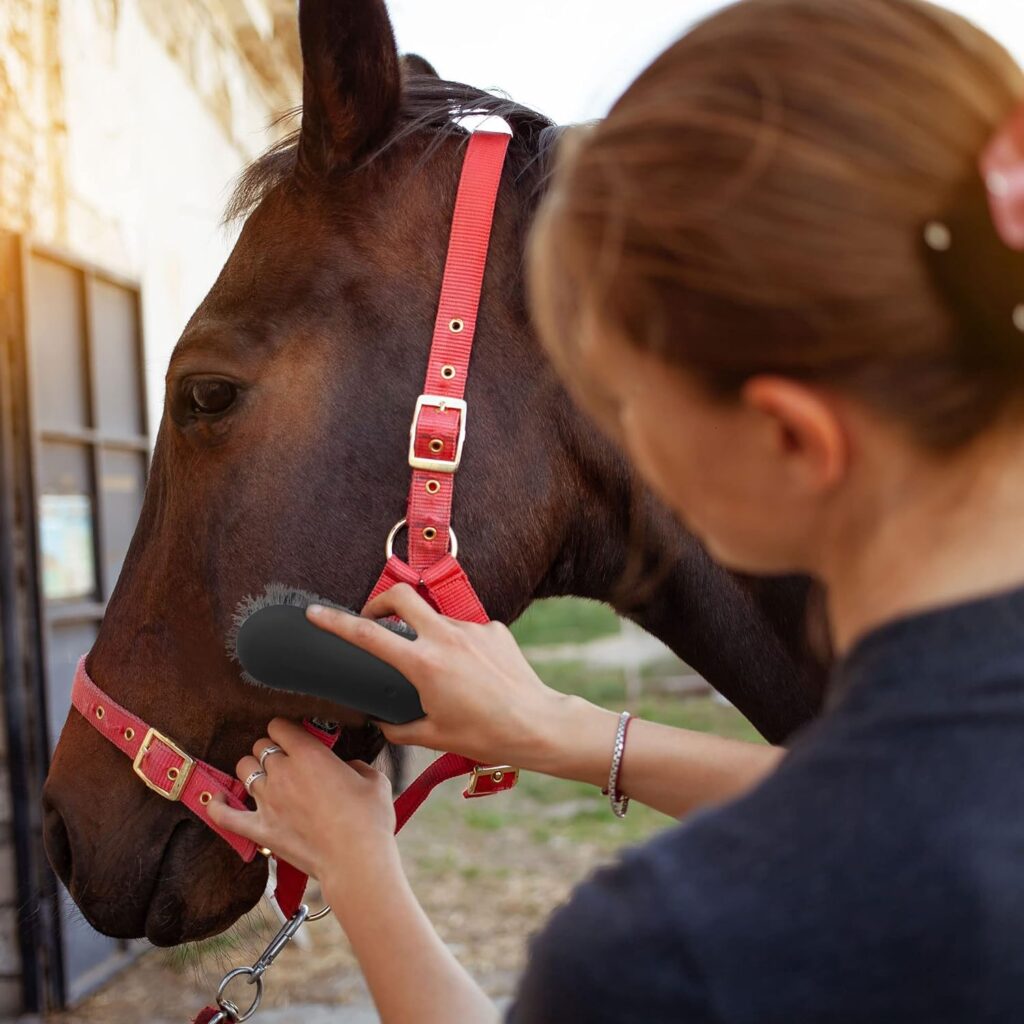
x,y
196,781
430,569
445,585
452,344
201,781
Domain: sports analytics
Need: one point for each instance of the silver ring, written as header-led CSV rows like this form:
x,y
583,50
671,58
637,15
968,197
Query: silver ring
x,y
253,776
389,544
267,751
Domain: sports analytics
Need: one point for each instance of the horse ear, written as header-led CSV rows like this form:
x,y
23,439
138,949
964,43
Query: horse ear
x,y
351,83
414,64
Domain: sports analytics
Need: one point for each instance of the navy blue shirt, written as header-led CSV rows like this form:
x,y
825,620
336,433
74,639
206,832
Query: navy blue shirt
x,y
877,875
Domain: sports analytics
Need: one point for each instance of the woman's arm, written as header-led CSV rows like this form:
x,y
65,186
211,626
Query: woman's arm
x,y
482,699
335,821
412,975
672,770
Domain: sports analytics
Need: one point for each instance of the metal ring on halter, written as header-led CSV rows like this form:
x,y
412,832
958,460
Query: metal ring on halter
x,y
320,913
253,776
267,751
234,1013
389,544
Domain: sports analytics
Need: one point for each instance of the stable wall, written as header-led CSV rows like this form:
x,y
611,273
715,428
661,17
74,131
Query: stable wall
x,y
122,126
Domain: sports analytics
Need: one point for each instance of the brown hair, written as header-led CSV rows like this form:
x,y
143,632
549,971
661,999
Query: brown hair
x,y
755,202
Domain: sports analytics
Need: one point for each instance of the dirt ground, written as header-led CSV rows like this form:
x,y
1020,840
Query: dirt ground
x,y
485,884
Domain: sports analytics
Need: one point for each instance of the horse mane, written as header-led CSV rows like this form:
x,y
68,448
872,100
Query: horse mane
x,y
430,106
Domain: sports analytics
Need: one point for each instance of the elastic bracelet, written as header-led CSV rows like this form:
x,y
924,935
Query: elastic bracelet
x,y
618,800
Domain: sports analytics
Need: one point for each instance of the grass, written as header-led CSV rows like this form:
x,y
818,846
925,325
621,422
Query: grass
x,y
544,811
588,818
564,620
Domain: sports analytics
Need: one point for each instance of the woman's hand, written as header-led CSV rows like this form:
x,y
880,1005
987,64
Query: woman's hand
x,y
330,818
481,697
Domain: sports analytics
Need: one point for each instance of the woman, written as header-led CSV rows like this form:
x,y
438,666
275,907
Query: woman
x,y
785,273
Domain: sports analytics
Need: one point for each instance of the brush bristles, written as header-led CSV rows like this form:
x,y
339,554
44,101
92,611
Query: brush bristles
x,y
273,594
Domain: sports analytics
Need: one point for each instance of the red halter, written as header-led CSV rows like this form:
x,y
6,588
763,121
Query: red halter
x,y
437,436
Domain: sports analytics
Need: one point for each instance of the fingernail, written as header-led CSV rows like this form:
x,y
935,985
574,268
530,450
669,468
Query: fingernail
x,y
315,609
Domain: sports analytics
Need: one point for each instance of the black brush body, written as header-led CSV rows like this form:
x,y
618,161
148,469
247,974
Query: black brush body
x,y
280,648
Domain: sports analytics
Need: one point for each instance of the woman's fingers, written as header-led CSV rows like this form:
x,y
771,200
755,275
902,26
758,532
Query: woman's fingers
x,y
292,737
396,650
403,601
364,770
246,767
243,823
418,733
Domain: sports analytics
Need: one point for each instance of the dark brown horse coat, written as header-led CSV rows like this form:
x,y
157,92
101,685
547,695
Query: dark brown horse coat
x,y
281,456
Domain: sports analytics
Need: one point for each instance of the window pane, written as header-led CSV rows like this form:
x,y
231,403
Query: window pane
x,y
66,523
56,344
122,484
115,339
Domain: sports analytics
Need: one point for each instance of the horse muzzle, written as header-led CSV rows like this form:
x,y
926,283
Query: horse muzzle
x,y
134,865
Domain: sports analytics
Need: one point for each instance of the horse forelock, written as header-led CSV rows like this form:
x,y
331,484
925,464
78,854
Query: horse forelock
x,y
432,110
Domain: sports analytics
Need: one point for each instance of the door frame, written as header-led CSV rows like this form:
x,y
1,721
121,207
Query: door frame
x,y
25,620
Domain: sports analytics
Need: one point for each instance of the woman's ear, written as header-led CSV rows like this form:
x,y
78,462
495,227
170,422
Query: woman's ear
x,y
805,429
351,84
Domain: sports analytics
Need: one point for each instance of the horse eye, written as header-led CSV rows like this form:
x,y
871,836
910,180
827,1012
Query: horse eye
x,y
209,397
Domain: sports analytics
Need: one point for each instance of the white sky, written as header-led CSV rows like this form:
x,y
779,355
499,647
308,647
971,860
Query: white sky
x,y
570,59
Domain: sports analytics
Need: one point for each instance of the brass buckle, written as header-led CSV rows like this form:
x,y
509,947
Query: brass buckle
x,y
437,465
496,773
187,764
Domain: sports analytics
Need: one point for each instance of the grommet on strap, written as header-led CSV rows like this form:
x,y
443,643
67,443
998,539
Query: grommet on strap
x,y
389,544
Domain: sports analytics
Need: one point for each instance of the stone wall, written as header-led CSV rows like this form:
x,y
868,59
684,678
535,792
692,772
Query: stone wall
x,y
122,124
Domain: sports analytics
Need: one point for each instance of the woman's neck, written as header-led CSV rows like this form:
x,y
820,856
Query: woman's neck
x,y
929,533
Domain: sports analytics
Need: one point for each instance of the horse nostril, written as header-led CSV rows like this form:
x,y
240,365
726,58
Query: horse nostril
x,y
56,841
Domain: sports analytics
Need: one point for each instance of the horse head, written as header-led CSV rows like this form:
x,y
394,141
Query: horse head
x,y
281,456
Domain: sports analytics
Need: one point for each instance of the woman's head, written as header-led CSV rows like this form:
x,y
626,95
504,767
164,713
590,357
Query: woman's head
x,y
731,267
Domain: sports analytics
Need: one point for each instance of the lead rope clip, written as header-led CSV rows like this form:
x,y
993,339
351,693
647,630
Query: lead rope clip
x,y
228,1012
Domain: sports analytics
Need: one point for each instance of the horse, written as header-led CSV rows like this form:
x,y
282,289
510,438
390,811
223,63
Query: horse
x,y
281,456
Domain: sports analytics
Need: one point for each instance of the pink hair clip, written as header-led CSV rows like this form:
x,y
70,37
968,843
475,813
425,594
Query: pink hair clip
x,y
1002,167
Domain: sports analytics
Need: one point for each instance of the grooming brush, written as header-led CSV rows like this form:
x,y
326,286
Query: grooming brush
x,y
279,648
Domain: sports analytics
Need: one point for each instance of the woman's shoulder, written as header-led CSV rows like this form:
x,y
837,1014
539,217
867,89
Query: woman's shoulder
x,y
778,906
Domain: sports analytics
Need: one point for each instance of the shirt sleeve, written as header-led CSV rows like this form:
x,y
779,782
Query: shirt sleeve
x,y
617,951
